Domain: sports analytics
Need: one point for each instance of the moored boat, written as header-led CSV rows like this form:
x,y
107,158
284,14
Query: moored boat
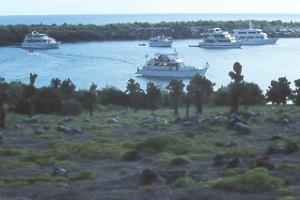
x,y
169,66
253,36
37,40
217,39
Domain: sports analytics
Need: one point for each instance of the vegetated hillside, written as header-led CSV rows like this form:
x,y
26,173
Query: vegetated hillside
x,y
13,34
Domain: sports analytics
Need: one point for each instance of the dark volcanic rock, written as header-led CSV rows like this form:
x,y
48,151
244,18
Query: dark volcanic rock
x,y
112,120
148,177
233,162
39,131
58,171
64,129
76,130
219,160
1,137
30,120
171,175
276,137
284,122
131,156
188,123
264,161
242,128
179,161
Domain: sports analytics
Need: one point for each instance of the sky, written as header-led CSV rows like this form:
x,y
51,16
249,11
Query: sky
x,y
47,7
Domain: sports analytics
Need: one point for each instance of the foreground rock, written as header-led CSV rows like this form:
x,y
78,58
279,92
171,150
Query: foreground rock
x,y
148,177
30,120
58,171
130,156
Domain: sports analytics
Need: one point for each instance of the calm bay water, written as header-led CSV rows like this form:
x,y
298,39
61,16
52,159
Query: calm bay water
x,y
151,18
112,63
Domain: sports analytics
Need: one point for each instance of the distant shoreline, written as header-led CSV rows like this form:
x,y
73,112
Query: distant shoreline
x,y
67,33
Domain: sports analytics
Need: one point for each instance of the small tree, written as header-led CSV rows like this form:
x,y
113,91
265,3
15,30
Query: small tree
x,y
188,100
175,88
67,89
92,98
29,94
2,101
153,95
296,93
237,77
251,94
55,83
201,88
279,91
135,93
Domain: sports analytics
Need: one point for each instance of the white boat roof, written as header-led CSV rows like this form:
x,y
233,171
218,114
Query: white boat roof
x,y
166,54
248,29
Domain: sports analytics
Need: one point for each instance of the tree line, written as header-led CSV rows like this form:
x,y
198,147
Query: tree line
x,y
61,96
14,34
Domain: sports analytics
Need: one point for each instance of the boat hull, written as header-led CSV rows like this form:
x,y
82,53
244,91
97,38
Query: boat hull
x,y
160,44
40,46
260,42
220,45
172,73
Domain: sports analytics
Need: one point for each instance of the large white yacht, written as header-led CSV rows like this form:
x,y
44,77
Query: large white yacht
x,y
253,36
160,41
37,40
216,38
168,65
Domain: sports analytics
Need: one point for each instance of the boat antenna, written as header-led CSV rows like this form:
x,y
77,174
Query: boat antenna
x,y
250,24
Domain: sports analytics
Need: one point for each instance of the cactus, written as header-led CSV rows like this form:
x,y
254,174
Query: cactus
x,y
188,99
201,88
92,98
135,92
2,101
29,94
55,83
153,95
237,77
175,88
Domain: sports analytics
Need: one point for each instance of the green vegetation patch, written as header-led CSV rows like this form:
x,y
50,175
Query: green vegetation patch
x,y
254,180
31,179
63,150
184,182
5,164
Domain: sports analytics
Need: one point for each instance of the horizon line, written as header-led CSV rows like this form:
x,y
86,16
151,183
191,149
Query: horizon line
x,y
233,13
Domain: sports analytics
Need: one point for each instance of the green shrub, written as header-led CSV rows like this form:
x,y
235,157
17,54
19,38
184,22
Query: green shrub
x,y
254,180
71,107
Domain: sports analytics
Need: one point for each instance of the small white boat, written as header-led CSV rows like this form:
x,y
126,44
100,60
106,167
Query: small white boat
x,y
253,36
37,40
169,66
161,41
217,39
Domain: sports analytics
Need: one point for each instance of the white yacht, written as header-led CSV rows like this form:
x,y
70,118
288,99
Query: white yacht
x,y
37,40
161,41
253,36
216,38
169,66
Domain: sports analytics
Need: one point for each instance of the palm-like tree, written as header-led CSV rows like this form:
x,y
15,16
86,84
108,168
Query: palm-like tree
x,y
2,101
153,95
29,94
134,91
188,100
92,97
237,77
175,88
201,88
55,83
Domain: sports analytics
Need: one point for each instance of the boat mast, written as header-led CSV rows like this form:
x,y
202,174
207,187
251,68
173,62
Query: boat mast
x,y
250,24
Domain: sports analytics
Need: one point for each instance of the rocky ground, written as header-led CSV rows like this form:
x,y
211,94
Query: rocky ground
x,y
119,154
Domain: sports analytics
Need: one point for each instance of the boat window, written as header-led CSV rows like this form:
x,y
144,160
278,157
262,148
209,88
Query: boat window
x,y
242,32
250,37
252,32
242,37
